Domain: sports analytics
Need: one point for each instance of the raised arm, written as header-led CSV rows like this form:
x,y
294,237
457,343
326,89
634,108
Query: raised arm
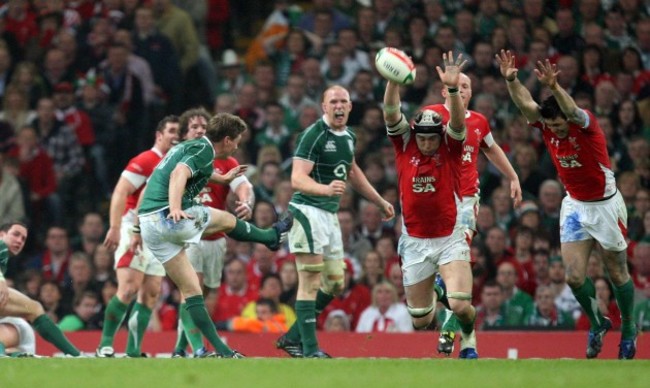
x,y
177,181
496,155
518,92
547,74
450,76
243,190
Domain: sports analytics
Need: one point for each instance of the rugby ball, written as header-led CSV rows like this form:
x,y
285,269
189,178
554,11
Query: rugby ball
x,y
394,65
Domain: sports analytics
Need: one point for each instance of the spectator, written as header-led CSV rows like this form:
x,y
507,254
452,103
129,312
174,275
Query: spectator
x,y
53,260
640,261
275,131
49,295
27,79
91,234
289,277
235,292
516,301
177,26
527,167
372,268
271,289
263,213
337,321
546,314
564,298
386,314
30,283
79,279
267,319
11,196
269,175
492,312
262,263
16,110
86,307
102,265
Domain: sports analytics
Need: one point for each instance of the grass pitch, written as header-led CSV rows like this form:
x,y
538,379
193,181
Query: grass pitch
x,y
338,373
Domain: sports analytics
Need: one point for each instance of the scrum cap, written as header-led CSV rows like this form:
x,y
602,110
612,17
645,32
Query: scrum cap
x,y
428,122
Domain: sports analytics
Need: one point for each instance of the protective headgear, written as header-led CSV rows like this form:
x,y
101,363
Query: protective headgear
x,y
428,122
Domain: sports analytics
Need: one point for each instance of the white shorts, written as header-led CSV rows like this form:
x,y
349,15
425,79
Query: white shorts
x,y
468,210
142,261
604,221
207,257
166,238
26,337
315,231
421,257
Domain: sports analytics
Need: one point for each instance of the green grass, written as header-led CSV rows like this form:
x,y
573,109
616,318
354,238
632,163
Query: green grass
x,y
337,373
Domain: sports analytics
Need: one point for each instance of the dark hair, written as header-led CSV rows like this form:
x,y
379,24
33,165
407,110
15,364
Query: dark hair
x,y
165,120
7,225
184,120
224,125
268,276
268,302
550,109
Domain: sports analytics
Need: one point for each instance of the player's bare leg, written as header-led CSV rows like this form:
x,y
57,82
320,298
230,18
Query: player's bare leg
x,y
19,305
421,303
240,230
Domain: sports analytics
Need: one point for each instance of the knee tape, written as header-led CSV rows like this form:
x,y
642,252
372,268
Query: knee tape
x,y
420,312
459,295
310,267
333,277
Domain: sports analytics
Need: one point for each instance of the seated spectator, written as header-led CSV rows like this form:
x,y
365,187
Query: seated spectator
x,y
85,317
386,314
606,304
267,319
353,300
642,311
103,265
516,301
491,313
91,234
271,288
372,269
394,276
564,298
79,278
49,295
30,283
289,276
337,321
12,205
263,262
235,292
53,260
546,314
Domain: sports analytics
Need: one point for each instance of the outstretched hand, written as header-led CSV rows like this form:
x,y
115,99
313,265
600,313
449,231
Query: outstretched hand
x,y
450,76
546,73
507,64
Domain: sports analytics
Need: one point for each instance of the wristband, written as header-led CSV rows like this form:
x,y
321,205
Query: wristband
x,y
452,91
135,229
389,109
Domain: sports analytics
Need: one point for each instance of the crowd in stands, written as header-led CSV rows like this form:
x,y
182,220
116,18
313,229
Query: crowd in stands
x,y
83,83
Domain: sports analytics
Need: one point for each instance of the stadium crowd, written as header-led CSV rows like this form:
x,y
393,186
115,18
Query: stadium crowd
x,y
84,83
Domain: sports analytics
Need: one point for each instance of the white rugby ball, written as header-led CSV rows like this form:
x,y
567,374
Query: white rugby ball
x,y
394,65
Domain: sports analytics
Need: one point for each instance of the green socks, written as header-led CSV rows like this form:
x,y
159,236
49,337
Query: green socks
x,y
195,306
191,332
138,323
113,316
245,231
625,299
181,339
586,296
306,322
322,300
451,322
52,334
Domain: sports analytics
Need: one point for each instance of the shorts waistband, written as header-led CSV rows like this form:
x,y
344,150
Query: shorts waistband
x,y
157,215
602,199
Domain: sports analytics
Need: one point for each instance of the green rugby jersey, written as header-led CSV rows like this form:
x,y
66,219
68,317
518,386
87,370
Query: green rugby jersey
x,y
4,258
198,155
332,153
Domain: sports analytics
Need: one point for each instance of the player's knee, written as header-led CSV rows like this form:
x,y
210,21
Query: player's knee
x,y
333,277
459,302
33,310
421,317
126,292
574,280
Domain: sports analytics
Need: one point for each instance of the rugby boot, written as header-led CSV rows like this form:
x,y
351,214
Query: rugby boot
x,y
319,354
282,226
105,352
595,339
627,349
468,346
292,348
179,354
234,354
446,342
203,352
